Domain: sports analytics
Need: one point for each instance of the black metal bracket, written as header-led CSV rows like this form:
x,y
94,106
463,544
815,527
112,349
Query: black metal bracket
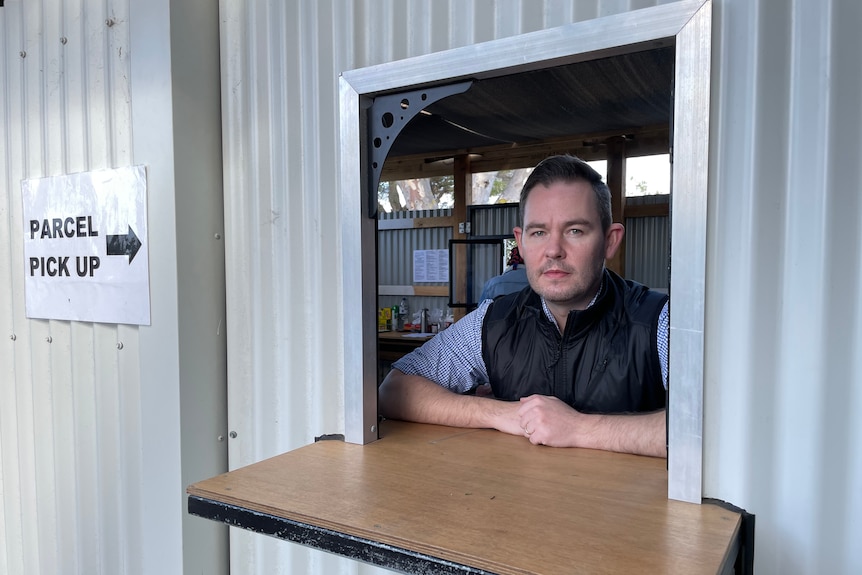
x,y
387,116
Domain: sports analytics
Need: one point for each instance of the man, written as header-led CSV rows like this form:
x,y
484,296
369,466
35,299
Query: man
x,y
578,359
513,278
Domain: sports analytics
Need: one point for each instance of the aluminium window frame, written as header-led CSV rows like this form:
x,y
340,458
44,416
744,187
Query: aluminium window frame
x,y
687,25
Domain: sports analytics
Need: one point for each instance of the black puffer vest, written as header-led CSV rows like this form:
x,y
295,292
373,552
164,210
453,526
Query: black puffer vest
x,y
605,362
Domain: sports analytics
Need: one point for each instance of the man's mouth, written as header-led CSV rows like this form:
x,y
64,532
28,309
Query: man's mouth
x,y
555,273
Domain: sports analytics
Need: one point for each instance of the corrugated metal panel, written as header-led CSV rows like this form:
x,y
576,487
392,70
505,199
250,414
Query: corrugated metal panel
x,y
64,420
395,248
395,257
784,294
279,81
498,220
90,424
647,251
648,245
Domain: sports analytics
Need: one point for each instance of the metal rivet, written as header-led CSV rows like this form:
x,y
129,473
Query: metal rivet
x,y
109,22
119,345
373,429
63,40
232,434
218,236
49,339
22,53
13,337
221,437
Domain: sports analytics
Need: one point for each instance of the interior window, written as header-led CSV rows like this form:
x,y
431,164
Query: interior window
x,y
498,187
416,194
648,175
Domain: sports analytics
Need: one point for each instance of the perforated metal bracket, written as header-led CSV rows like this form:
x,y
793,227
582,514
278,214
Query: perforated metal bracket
x,y
387,116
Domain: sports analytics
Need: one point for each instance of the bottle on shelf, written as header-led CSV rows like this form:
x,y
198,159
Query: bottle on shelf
x,y
403,313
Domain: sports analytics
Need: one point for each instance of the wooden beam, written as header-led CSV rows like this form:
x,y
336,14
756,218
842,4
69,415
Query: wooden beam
x,y
439,291
413,290
616,179
647,210
463,191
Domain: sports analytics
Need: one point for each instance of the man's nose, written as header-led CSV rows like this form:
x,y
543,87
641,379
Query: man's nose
x,y
554,247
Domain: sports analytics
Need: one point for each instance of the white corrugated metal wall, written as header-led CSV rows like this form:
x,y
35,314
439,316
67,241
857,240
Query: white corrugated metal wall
x,y
92,416
782,437
63,428
783,322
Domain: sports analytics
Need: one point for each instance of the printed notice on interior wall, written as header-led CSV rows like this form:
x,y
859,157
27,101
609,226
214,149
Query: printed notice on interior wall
x,y
85,247
430,266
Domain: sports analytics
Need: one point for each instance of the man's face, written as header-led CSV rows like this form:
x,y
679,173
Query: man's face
x,y
563,245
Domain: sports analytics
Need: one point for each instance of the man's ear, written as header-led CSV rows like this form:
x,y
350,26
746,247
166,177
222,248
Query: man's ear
x,y
613,239
517,230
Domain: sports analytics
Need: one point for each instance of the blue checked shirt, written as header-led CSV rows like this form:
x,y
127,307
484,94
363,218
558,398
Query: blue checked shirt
x,y
453,357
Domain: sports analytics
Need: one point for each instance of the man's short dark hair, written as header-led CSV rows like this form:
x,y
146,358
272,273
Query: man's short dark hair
x,y
568,169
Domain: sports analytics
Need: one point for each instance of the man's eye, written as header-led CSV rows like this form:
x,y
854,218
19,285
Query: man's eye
x,y
574,231
538,233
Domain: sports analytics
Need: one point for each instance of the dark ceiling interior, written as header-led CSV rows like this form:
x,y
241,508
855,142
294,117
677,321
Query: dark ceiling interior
x,y
619,93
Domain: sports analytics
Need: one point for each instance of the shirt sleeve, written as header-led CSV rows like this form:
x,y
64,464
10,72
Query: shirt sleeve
x,y
453,357
662,337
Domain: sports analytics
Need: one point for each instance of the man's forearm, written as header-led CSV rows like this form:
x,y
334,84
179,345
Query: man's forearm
x,y
414,398
641,434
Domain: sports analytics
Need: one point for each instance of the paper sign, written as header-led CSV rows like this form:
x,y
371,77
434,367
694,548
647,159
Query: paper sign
x,y
85,247
430,266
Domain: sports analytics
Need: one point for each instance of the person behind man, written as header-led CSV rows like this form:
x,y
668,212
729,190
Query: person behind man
x,y
578,360
513,278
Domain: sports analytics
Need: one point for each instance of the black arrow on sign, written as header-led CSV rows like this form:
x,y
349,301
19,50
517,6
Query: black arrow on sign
x,y
127,245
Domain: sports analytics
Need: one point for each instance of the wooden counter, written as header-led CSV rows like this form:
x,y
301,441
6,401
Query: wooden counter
x,y
434,499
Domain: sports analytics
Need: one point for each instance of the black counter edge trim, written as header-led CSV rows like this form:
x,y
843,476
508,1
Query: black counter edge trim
x,y
361,549
744,564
